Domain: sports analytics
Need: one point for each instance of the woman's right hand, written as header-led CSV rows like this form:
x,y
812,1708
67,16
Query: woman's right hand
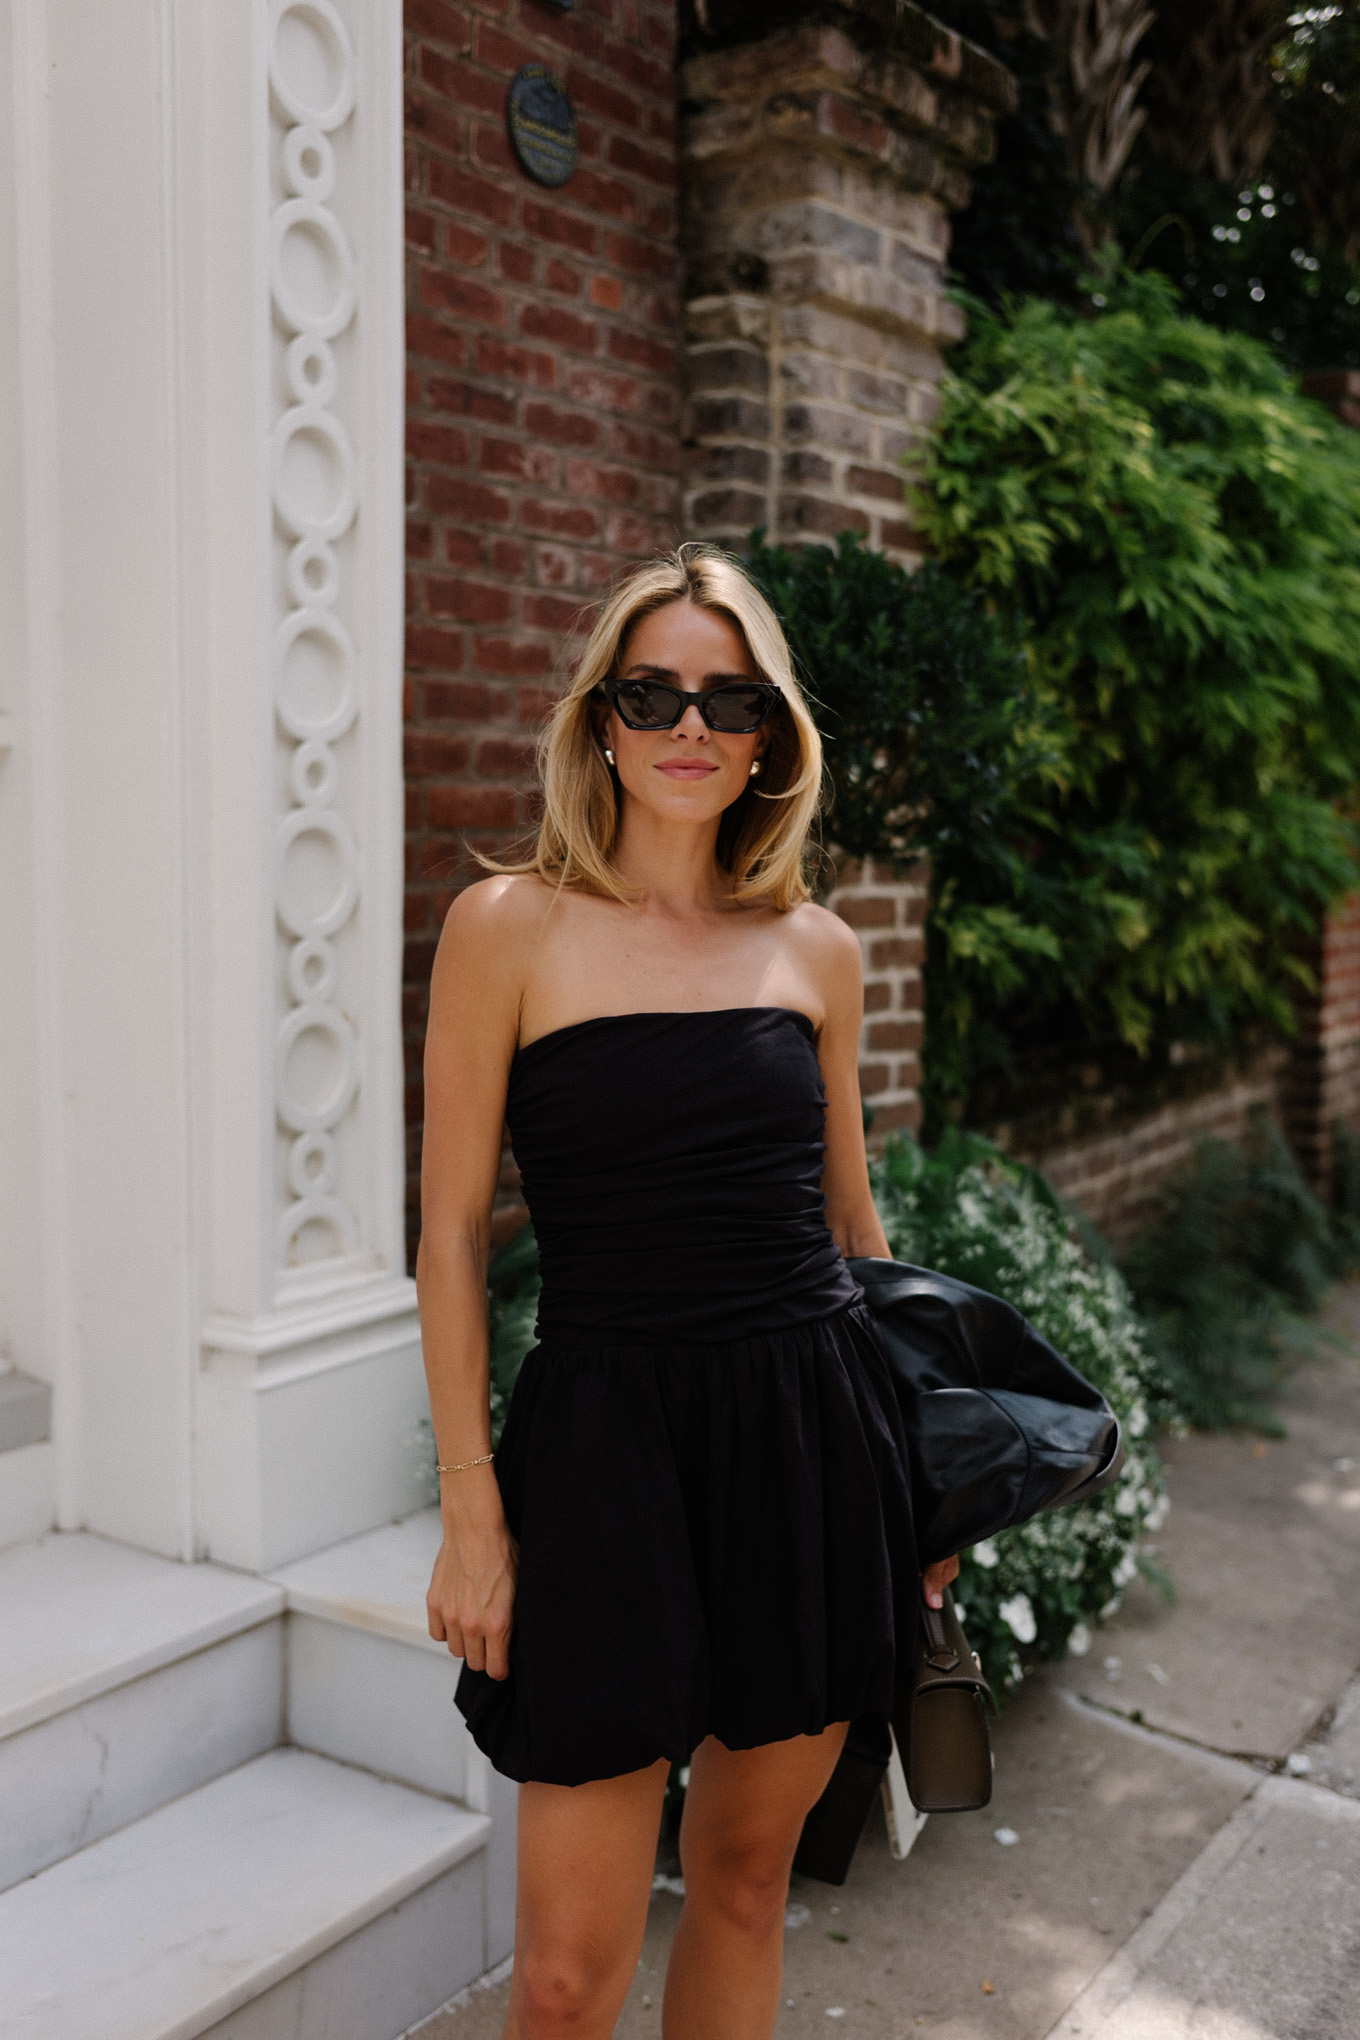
x,y
471,1597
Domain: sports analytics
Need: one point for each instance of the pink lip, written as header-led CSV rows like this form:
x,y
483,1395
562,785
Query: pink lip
x,y
686,769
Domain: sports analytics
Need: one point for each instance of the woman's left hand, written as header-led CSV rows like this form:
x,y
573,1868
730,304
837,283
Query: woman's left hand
x,y
936,1578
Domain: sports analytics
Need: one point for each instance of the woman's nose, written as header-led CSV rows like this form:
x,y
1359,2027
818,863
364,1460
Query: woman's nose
x,y
691,722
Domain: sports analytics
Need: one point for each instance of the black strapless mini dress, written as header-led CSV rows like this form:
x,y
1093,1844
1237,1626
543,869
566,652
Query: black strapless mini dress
x,y
703,1461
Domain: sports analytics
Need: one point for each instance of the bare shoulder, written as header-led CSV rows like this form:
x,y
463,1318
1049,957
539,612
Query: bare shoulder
x,y
822,939
490,930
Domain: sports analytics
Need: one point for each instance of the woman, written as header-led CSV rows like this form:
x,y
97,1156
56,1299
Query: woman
x,y
694,1542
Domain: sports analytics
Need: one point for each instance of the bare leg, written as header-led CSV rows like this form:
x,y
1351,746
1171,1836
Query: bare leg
x,y
744,1812
586,1856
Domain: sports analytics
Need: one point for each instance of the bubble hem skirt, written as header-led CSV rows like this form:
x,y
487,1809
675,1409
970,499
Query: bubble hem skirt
x,y
713,1540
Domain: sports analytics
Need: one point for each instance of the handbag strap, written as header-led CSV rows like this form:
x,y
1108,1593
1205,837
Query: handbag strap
x,y
943,1657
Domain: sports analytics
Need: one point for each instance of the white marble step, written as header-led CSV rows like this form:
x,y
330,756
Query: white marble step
x,y
125,1680
293,1899
367,1684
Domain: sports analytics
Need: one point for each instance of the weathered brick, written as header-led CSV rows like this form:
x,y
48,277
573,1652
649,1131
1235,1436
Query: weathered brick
x,y
561,277
440,21
883,484
563,520
512,457
463,295
511,658
467,601
624,154
469,400
424,753
896,1034
729,417
641,351
867,912
504,758
551,223
516,264
457,701
462,807
446,444
562,328
561,428
522,364
550,612
427,646
472,502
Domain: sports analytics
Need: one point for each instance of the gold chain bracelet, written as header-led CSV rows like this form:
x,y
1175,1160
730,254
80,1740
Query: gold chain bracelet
x,y
463,1464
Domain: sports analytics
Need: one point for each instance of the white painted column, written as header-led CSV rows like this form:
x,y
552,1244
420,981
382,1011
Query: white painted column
x,y
220,562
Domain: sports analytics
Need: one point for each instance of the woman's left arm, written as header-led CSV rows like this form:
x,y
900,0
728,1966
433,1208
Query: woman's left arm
x,y
850,1210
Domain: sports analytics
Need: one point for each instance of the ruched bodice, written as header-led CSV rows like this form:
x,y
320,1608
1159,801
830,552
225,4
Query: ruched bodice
x,y
672,1165
702,1465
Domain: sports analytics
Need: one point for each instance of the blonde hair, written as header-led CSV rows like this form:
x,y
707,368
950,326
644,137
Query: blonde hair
x,y
763,836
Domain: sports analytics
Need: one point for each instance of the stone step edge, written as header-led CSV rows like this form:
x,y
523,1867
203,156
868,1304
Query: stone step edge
x,y
472,1836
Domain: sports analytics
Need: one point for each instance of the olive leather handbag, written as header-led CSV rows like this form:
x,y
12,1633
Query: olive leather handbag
x,y
999,1427
941,1725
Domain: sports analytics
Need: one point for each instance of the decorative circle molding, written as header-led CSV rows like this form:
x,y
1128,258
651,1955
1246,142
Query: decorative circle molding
x,y
311,269
317,1114
310,45
298,915
314,482
328,673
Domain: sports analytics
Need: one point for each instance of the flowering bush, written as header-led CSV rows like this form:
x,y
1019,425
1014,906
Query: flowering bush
x,y
971,1213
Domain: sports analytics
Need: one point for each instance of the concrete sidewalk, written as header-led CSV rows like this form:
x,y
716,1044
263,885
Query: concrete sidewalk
x,y
1185,1800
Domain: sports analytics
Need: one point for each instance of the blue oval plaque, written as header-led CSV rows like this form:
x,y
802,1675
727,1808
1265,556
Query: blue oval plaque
x,y
542,124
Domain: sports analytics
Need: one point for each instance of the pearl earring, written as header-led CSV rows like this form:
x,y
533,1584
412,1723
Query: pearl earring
x,y
609,755
755,767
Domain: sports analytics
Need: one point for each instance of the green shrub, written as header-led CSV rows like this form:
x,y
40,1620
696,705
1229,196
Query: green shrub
x,y
914,690
934,742
970,1212
1226,1277
1176,533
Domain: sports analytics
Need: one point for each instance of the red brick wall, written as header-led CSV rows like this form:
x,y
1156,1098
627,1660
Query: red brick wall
x,y
1324,1077
1113,1167
542,403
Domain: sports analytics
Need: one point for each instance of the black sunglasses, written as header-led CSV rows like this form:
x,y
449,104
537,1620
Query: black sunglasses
x,y
735,708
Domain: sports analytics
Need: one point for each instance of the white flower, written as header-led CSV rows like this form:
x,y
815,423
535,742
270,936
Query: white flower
x,y
1158,1512
1018,1616
1136,1422
985,1553
1126,1569
1079,1642
1007,1837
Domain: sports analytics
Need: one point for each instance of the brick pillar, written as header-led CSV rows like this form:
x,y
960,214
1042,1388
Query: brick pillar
x,y
889,916
820,163
1323,1082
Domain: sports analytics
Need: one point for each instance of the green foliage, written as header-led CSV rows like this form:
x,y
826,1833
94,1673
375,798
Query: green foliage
x,y
915,692
969,1212
1019,235
1238,1257
1178,533
1272,254
1245,260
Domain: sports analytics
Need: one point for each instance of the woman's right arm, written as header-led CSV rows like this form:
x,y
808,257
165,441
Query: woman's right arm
x,y
470,1041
